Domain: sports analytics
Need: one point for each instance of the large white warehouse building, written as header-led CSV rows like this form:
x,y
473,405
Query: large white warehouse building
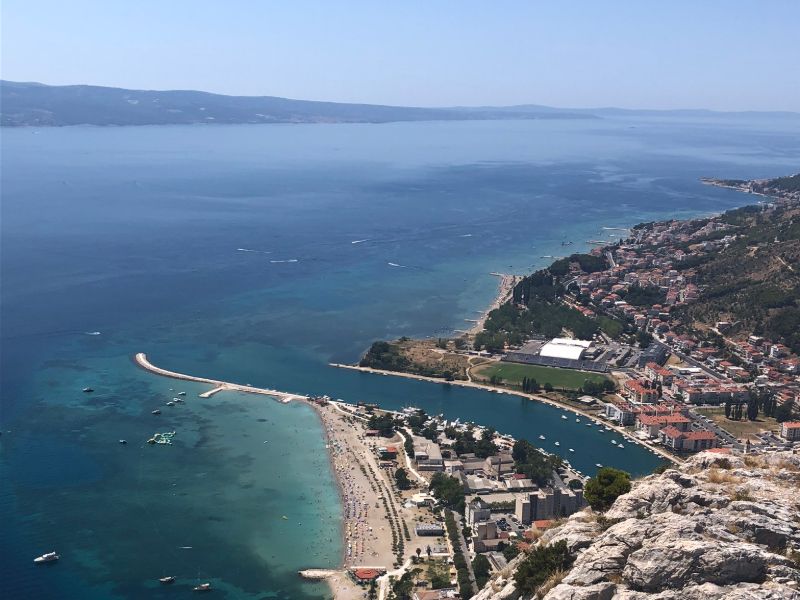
x,y
565,348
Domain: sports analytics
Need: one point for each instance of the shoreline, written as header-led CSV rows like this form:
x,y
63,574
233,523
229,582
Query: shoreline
x,y
534,397
360,490
505,287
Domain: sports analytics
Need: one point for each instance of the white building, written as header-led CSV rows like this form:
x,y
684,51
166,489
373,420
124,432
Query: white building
x,y
565,348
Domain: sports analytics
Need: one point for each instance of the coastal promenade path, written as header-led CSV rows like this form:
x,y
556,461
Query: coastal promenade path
x,y
536,397
219,386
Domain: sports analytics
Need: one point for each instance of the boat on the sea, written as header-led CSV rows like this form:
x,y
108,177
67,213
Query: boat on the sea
x,y
88,390
564,417
155,412
557,443
598,465
571,450
541,437
170,403
167,580
577,420
589,424
620,446
123,441
181,393
48,557
614,442
203,587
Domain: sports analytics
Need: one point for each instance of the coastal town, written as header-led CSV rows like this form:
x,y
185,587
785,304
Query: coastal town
x,y
434,508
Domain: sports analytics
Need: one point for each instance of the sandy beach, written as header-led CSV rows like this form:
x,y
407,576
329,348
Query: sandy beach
x,y
505,287
367,499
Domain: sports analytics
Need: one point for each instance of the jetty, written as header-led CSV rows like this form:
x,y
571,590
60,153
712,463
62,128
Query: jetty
x,y
218,386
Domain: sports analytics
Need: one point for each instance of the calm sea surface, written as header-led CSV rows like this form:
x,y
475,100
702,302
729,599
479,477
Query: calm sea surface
x,y
258,254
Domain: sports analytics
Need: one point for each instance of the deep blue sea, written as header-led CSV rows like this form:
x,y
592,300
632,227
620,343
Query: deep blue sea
x,y
230,252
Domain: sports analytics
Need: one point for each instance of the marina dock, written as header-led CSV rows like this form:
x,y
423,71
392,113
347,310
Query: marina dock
x,y
141,360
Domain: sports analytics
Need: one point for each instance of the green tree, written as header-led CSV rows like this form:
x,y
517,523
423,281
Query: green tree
x,y
448,490
605,487
481,568
548,387
401,478
784,412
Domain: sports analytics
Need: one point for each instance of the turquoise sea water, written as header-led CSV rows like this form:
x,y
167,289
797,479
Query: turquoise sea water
x,y
176,241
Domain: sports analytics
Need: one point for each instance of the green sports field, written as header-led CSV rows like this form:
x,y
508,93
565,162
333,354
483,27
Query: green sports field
x,y
512,374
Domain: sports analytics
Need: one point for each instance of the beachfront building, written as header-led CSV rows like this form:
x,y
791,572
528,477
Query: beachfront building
x,y
687,441
790,431
427,454
651,425
621,411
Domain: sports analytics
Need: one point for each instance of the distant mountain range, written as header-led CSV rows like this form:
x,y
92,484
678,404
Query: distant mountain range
x,y
36,104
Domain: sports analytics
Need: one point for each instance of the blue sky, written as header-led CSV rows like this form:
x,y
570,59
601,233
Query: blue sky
x,y
718,54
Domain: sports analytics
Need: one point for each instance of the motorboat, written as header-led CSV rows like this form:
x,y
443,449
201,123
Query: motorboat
x,y
557,443
577,420
167,580
620,446
181,393
155,412
564,417
598,465
88,390
541,437
572,450
170,403
46,558
614,442
123,441
203,587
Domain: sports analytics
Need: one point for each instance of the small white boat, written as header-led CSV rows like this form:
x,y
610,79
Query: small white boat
x,y
155,412
588,424
88,390
123,441
564,417
167,580
170,403
577,420
598,465
46,558
181,393
620,446
608,428
557,443
614,442
203,587
541,437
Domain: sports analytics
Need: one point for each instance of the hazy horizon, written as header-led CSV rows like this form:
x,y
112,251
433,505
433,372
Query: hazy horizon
x,y
722,56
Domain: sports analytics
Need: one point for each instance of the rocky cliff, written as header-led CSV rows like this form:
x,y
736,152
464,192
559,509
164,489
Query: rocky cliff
x,y
719,527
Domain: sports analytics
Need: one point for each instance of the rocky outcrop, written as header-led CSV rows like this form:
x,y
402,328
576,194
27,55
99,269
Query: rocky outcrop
x,y
719,527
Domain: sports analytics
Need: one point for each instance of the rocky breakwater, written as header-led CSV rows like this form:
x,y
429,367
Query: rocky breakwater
x,y
718,527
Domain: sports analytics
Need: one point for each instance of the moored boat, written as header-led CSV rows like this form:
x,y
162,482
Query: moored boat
x,y
167,580
203,587
47,557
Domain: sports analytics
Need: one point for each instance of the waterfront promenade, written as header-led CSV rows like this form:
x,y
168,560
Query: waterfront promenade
x,y
141,360
536,397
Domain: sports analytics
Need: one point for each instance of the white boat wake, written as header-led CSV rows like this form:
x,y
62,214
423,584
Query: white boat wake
x,y
254,251
291,260
359,241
